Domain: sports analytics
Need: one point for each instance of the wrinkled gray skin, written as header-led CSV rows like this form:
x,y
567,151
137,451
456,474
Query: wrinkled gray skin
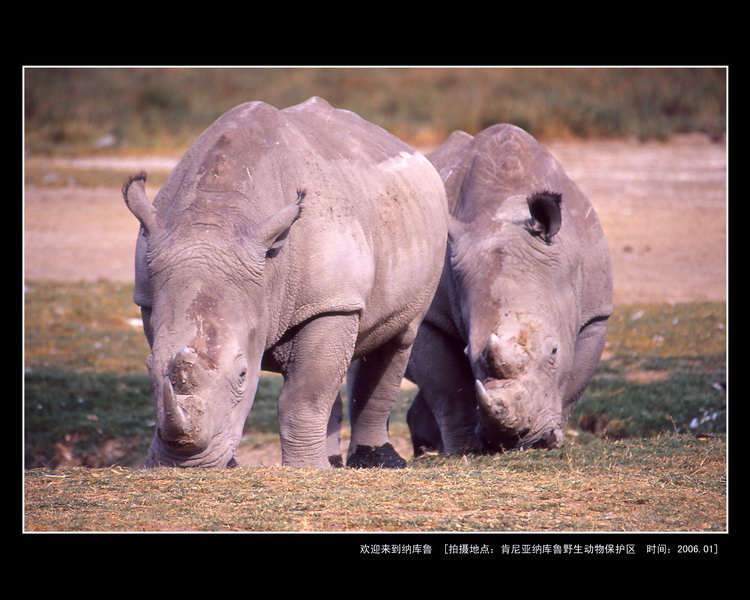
x,y
518,323
300,241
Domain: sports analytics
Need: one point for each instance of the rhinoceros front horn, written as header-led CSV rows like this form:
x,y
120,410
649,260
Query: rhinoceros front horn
x,y
490,404
174,423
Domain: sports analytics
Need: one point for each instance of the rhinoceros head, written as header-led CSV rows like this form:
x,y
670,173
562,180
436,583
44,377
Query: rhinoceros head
x,y
199,282
518,302
204,367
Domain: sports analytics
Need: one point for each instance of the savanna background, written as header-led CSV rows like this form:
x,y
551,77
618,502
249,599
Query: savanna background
x,y
646,448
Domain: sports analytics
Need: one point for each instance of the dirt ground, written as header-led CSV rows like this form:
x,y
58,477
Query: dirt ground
x,y
663,206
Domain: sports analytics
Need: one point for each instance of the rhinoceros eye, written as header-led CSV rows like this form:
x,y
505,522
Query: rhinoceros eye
x,y
552,355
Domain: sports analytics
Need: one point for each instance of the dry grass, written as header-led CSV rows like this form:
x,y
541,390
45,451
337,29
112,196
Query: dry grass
x,y
100,110
669,483
85,379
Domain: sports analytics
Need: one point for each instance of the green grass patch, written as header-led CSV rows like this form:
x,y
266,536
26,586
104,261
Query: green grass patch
x,y
83,327
641,470
86,381
91,419
695,329
663,369
49,176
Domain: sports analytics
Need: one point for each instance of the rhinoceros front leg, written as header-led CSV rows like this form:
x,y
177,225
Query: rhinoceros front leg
x,y
446,398
373,385
314,363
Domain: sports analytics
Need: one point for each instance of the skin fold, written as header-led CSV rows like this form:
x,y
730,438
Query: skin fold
x,y
519,320
305,241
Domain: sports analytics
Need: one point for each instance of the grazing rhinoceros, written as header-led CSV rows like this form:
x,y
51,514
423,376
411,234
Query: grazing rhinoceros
x,y
518,323
296,241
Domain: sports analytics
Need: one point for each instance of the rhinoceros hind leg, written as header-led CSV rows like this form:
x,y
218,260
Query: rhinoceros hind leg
x,y
333,443
425,432
373,385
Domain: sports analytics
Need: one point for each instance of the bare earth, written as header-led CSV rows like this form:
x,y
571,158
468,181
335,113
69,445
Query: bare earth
x,y
663,207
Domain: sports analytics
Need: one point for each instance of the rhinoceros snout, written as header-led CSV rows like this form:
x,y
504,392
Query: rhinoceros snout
x,y
502,420
553,438
506,420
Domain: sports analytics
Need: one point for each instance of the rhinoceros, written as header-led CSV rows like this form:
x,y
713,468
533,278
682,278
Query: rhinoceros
x,y
518,324
306,241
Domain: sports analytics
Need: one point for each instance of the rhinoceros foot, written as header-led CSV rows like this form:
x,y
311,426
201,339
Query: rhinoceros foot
x,y
423,445
376,456
336,461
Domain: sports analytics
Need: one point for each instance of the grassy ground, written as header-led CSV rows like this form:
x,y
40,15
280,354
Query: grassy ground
x,y
669,483
646,450
663,371
100,110
632,461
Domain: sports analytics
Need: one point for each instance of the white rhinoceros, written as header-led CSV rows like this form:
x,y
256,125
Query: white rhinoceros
x,y
519,320
297,241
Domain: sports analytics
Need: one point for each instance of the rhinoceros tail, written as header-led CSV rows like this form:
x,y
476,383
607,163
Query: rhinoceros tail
x,y
140,176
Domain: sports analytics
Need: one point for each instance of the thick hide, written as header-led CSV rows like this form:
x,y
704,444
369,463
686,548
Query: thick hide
x,y
304,241
518,323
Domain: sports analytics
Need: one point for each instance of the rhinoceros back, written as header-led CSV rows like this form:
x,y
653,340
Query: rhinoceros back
x,y
378,218
372,230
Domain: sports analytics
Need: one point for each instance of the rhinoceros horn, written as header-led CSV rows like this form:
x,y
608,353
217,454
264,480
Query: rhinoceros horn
x,y
174,423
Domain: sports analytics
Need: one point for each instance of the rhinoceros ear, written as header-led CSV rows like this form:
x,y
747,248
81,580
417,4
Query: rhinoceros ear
x,y
546,214
271,233
134,192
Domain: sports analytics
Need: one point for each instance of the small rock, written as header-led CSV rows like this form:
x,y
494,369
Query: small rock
x,y
106,141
